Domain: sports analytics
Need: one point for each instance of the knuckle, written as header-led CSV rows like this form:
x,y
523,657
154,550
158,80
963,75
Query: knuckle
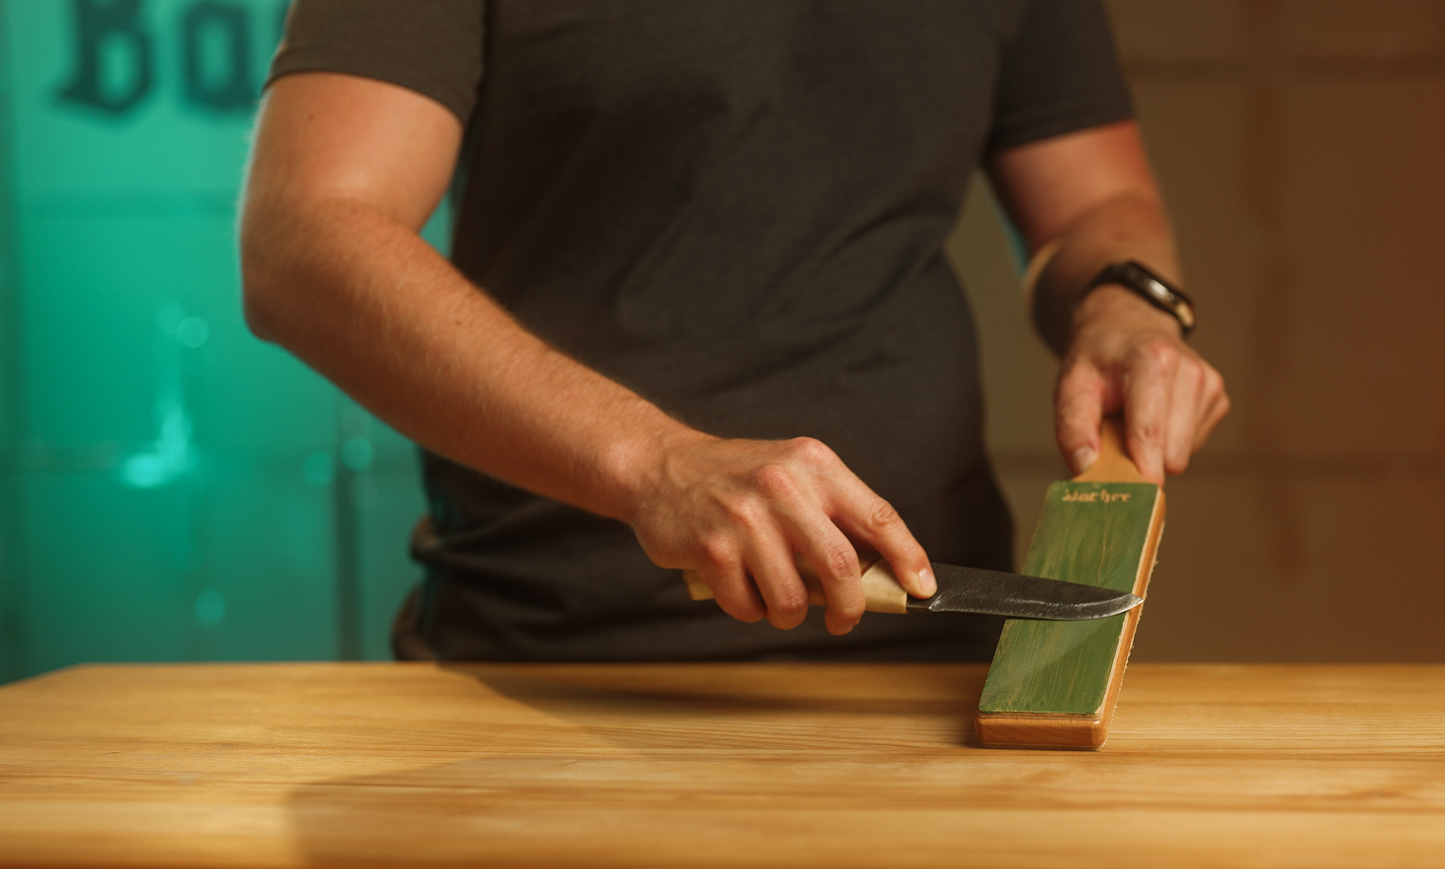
x,y
841,560
811,451
883,517
775,482
1151,433
744,610
791,604
714,552
1158,353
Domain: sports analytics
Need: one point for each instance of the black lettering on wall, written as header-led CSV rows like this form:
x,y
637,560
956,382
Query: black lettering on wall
x,y
112,70
217,79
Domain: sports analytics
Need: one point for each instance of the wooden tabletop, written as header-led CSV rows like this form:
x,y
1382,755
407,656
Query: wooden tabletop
x,y
710,765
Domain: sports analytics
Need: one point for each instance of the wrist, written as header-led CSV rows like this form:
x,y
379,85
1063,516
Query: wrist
x,y
1153,288
1114,307
636,465
1063,282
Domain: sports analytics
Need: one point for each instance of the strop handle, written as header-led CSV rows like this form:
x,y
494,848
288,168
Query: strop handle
x,y
1113,464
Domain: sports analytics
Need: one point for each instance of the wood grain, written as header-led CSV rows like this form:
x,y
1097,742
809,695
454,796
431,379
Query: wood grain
x,y
289,765
1055,684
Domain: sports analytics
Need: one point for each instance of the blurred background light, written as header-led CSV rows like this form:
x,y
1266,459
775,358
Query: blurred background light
x,y
167,483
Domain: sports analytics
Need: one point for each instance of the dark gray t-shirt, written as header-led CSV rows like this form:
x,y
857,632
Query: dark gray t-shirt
x,y
737,209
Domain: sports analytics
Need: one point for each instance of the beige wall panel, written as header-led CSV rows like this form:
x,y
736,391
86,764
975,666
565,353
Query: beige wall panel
x,y
1213,597
1178,30
1368,589
1373,547
1362,180
1197,140
1361,29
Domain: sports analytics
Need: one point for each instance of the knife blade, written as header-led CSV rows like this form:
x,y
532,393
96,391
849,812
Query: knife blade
x,y
1016,595
969,590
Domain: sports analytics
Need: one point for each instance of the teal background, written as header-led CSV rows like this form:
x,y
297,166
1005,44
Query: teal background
x,y
171,488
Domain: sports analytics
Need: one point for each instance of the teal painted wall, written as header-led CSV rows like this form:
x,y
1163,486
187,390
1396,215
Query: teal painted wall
x,y
170,487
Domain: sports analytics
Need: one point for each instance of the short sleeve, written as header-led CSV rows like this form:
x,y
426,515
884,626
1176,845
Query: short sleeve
x,y
1059,74
433,47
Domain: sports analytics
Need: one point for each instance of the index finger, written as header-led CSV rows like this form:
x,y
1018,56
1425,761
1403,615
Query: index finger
x,y
873,522
1147,395
1078,412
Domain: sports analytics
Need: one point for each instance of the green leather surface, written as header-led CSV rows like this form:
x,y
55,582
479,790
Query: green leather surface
x,y
1093,533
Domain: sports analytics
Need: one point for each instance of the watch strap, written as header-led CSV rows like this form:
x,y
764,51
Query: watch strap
x,y
1149,286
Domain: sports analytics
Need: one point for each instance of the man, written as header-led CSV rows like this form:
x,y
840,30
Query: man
x,y
697,287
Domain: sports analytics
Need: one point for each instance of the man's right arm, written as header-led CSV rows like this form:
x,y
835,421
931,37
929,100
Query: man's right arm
x,y
344,173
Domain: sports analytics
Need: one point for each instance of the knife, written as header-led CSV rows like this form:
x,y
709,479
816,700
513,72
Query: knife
x,y
966,590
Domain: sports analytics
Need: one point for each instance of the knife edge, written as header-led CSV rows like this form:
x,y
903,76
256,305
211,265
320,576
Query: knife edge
x,y
993,592
968,589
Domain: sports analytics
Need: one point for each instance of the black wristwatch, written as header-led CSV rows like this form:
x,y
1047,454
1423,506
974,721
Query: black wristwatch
x,y
1150,287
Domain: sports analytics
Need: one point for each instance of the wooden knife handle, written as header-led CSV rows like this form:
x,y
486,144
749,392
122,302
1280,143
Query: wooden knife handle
x,y
881,591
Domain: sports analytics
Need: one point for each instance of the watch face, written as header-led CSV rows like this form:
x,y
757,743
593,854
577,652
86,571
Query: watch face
x,y
1159,290
1153,289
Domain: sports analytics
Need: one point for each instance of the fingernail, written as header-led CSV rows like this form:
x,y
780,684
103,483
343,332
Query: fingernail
x,y
928,582
1083,458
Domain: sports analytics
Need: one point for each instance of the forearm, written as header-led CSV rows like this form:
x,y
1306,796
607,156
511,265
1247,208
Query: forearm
x,y
344,172
371,306
367,303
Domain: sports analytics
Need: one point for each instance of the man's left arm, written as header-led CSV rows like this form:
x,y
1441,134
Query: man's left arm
x,y
1083,201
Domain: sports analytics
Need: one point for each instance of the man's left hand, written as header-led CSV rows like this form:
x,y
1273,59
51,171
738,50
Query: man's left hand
x,y
1126,355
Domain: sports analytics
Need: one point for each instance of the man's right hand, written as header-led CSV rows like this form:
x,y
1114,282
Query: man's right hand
x,y
344,173
736,511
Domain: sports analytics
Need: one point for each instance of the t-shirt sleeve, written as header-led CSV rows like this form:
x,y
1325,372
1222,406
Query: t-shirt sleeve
x,y
1059,74
433,47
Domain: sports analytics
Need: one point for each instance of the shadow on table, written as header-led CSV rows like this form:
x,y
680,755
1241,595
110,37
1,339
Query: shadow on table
x,y
764,707
558,749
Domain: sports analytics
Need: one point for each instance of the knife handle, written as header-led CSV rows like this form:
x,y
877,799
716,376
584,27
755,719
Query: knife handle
x,y
881,591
